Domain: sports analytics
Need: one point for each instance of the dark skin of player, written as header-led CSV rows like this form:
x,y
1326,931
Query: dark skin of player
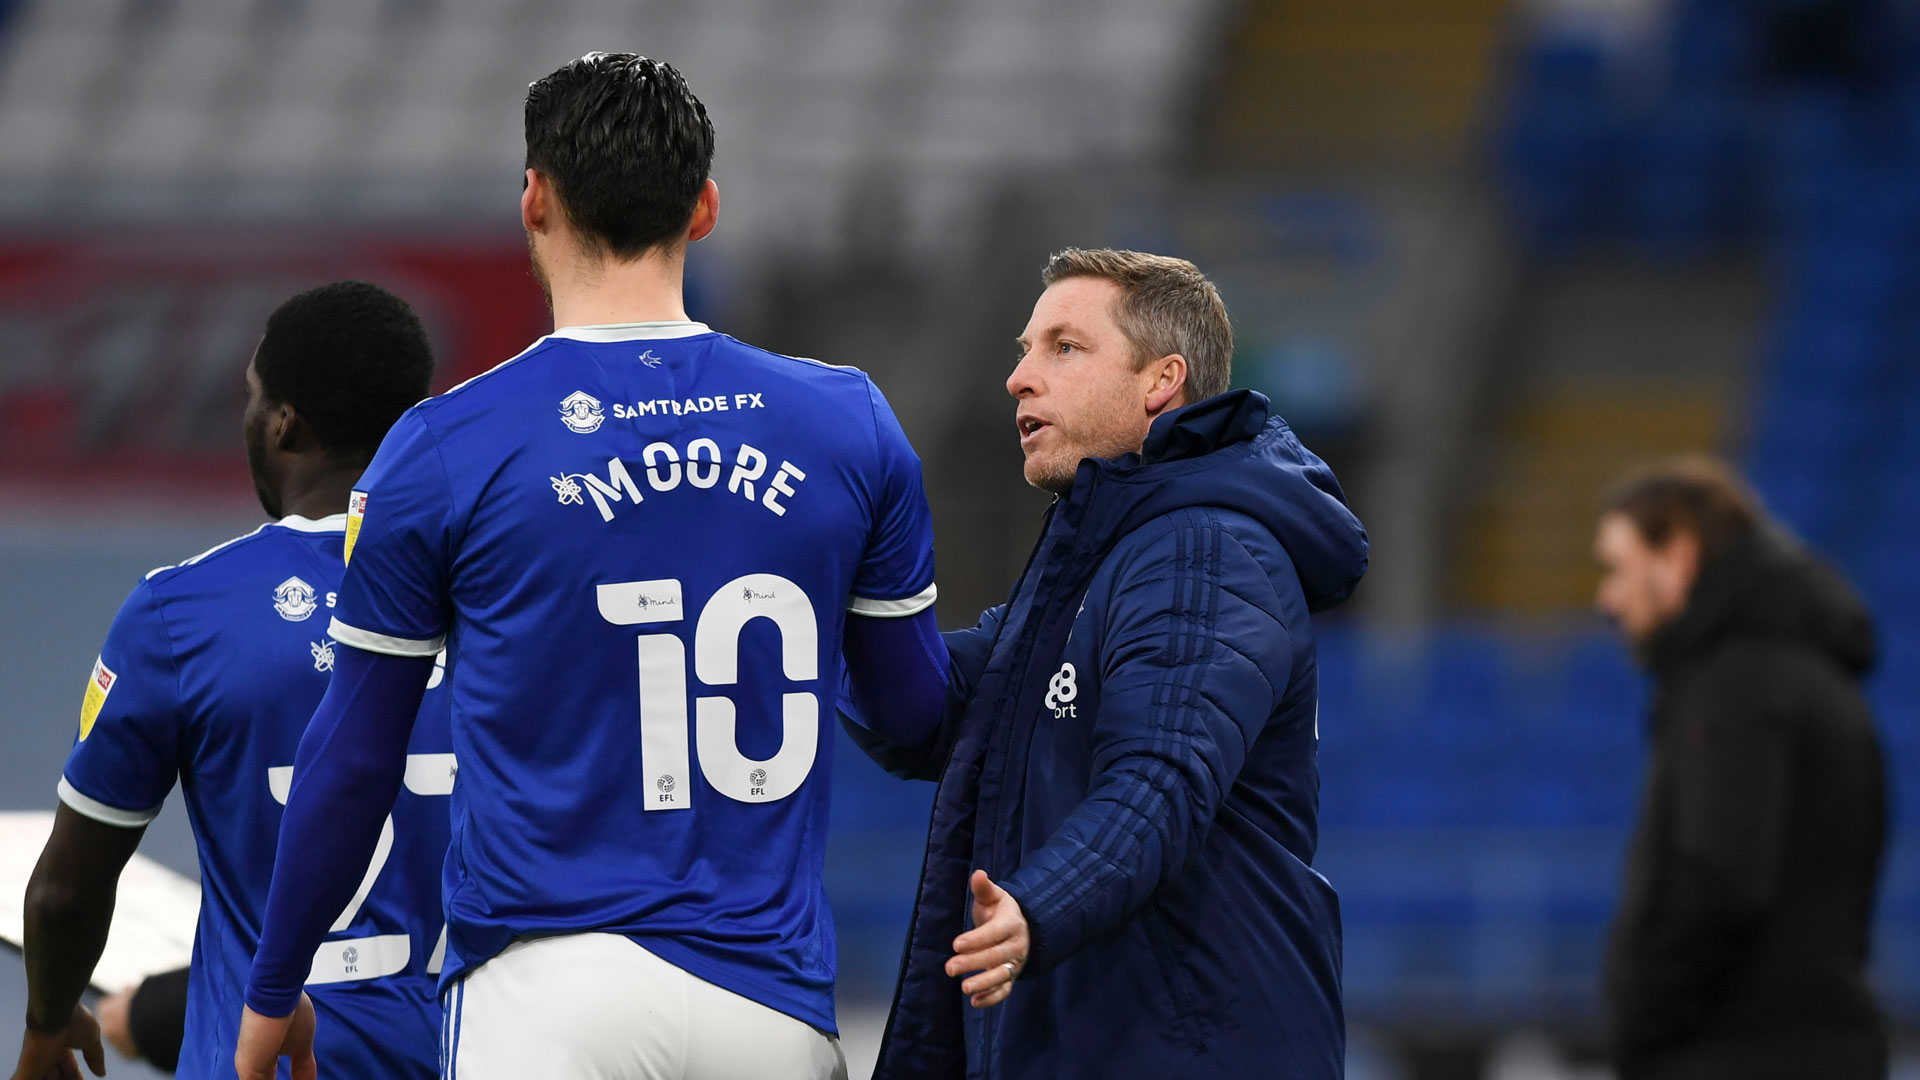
x,y
70,897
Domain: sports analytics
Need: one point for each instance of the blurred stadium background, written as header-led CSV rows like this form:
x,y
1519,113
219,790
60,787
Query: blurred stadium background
x,y
1482,253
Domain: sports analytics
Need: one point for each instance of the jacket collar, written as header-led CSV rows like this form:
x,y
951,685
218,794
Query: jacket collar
x,y
1178,443
1205,426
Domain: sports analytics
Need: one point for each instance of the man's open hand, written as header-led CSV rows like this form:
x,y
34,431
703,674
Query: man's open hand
x,y
48,1055
264,1040
995,949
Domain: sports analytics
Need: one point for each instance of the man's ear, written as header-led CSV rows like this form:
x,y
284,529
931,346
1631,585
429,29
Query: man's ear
x,y
286,432
1167,383
706,212
535,206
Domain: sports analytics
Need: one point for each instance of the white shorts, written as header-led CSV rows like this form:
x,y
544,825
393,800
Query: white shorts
x,y
599,1007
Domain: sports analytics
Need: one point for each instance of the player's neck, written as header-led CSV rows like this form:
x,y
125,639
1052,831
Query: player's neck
x,y
316,496
606,291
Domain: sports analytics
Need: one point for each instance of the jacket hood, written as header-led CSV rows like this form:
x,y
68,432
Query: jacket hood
x,y
1768,586
1228,451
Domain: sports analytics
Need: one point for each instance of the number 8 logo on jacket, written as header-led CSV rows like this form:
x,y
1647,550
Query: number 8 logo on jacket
x,y
1061,691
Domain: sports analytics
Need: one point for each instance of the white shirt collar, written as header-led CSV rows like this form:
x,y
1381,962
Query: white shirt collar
x,y
635,331
330,523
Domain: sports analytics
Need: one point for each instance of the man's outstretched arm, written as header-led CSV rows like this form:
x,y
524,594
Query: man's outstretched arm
x,y
1190,643
69,908
897,674
346,775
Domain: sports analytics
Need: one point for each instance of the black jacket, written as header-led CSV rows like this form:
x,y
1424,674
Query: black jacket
x,y
1741,945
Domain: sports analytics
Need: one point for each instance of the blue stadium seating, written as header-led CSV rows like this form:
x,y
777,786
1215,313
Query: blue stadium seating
x,y
1477,786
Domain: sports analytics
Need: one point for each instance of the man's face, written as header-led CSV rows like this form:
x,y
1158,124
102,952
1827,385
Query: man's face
x,y
1078,391
253,427
1642,587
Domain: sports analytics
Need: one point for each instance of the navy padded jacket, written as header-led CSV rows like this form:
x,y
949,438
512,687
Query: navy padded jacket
x,y
1129,750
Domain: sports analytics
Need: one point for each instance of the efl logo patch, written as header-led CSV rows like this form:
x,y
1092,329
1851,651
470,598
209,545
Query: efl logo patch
x,y
99,685
356,511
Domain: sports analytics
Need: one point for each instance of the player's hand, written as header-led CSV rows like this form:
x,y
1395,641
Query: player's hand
x,y
998,939
116,1022
48,1055
264,1040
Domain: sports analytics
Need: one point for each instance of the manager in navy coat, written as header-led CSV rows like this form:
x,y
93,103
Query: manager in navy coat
x,y
1119,878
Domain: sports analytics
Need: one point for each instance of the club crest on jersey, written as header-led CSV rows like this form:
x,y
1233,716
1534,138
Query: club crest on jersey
x,y
293,599
581,413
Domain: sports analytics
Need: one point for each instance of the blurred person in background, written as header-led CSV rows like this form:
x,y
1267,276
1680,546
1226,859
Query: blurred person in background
x,y
208,676
629,894
1740,949
148,1022
1119,871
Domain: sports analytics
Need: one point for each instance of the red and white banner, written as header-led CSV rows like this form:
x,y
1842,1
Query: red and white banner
x,y
122,354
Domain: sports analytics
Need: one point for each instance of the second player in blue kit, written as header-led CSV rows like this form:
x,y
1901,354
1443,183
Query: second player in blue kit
x,y
208,676
640,543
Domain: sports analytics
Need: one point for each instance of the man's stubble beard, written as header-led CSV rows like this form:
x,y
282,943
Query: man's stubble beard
x,y
539,272
1057,473
1053,478
1099,435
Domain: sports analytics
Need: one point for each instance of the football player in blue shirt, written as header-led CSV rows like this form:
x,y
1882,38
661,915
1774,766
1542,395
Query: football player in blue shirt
x,y
210,674
641,544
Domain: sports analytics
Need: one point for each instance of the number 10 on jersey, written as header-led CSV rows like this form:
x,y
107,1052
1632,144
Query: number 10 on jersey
x,y
664,747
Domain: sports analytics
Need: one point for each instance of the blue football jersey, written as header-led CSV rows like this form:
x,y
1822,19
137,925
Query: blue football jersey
x,y
210,674
638,544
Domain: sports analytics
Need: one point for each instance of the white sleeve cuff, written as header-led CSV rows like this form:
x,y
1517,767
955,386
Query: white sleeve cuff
x,y
89,807
384,643
894,609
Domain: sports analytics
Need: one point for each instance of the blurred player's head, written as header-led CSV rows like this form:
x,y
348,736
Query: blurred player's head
x,y
618,156
1659,526
1116,339
336,367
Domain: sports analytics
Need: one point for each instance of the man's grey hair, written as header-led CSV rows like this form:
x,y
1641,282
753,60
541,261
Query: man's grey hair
x,y
1166,306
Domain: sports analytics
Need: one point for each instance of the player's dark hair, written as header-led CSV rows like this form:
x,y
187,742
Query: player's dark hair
x,y
627,147
1695,495
350,358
